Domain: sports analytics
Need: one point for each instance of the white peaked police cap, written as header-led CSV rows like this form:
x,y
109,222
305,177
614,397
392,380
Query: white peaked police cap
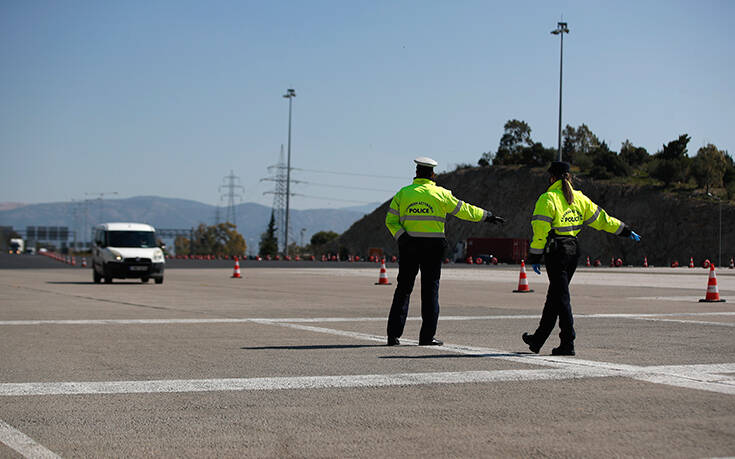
x,y
424,161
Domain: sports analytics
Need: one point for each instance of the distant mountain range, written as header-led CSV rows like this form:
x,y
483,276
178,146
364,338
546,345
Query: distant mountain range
x,y
252,219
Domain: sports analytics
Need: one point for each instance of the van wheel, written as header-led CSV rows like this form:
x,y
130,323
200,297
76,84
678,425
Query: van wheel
x,y
144,279
159,280
96,277
108,280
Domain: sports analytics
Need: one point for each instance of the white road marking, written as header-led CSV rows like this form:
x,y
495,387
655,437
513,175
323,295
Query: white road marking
x,y
694,322
22,443
692,379
283,383
688,299
345,319
702,377
662,375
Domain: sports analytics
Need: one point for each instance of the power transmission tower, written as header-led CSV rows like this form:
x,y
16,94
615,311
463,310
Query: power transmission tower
x,y
100,199
77,213
279,200
230,185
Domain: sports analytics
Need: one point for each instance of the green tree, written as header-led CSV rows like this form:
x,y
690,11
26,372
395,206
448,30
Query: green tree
x,y
578,146
607,164
671,163
709,167
486,159
728,177
182,245
516,137
633,156
222,238
536,155
233,242
322,237
268,240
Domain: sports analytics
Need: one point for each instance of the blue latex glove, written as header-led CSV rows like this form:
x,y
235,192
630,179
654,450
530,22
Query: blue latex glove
x,y
635,236
536,269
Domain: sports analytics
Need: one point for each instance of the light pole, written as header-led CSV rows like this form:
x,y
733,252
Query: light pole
x,y
719,243
561,29
290,94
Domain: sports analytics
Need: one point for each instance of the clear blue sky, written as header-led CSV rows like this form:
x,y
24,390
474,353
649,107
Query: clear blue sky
x,y
165,97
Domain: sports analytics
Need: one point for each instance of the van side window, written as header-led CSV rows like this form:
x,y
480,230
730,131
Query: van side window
x,y
99,238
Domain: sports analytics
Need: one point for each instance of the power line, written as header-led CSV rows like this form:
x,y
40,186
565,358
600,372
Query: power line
x,y
343,186
347,173
323,198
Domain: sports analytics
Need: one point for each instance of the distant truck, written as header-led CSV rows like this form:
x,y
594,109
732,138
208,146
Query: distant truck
x,y
506,250
16,245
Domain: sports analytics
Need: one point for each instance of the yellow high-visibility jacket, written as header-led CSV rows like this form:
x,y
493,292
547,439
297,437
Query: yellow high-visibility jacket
x,y
421,209
552,212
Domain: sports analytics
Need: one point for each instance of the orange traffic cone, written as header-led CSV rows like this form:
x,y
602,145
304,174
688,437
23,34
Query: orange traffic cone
x,y
732,263
713,293
523,280
383,278
84,262
645,262
691,262
236,274
588,264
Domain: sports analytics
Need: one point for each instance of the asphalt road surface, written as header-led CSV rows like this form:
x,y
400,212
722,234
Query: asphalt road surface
x,y
293,363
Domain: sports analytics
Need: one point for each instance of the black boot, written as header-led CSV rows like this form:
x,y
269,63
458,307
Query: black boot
x,y
563,349
528,339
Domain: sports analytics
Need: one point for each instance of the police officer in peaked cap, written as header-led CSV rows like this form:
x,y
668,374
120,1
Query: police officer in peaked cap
x,y
416,219
560,214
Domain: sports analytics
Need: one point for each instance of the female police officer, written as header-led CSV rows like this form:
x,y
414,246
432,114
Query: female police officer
x,y
559,216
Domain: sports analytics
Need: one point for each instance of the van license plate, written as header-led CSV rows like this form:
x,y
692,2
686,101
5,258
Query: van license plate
x,y
139,268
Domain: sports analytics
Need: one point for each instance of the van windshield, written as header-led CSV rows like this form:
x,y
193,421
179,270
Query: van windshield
x,y
141,239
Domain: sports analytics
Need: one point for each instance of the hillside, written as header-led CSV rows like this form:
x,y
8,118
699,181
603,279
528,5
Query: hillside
x,y
172,213
673,227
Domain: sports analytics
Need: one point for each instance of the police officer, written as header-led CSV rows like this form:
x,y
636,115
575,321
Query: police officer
x,y
416,220
559,216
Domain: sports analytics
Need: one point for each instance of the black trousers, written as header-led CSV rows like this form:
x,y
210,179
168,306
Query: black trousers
x,y
425,254
561,262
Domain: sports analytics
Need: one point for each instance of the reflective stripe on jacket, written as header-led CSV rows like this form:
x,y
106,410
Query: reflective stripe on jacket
x,y
552,212
421,209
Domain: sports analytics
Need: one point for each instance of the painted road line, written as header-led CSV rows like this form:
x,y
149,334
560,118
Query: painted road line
x,y
709,368
288,383
341,319
329,331
686,299
720,387
22,443
571,364
693,322
342,381
700,377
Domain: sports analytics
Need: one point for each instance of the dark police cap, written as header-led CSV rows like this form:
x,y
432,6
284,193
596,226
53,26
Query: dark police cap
x,y
558,168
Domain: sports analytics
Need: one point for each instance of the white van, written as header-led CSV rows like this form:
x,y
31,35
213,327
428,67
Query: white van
x,y
125,251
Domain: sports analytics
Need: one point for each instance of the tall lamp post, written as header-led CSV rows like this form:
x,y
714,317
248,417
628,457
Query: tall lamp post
x,y
719,246
561,29
290,94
